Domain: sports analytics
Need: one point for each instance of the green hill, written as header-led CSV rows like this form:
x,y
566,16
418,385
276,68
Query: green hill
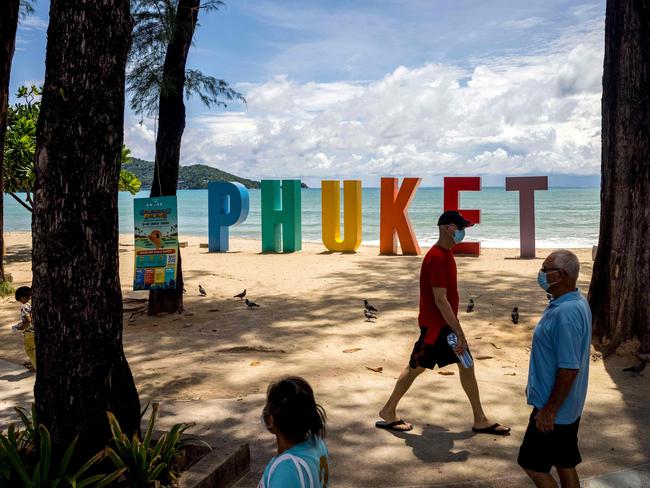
x,y
194,177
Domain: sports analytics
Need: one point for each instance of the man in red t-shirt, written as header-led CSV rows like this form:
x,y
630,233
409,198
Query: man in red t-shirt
x,y
438,319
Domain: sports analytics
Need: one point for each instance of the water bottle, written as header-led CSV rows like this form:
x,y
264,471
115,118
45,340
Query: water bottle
x,y
465,358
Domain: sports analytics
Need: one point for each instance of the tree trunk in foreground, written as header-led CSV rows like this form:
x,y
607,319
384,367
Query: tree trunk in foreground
x,y
171,124
77,302
619,286
9,10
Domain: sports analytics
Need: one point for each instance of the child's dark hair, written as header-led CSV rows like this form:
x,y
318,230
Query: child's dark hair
x,y
294,409
23,292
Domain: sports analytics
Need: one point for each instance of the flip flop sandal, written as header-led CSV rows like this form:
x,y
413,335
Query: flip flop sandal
x,y
492,429
381,424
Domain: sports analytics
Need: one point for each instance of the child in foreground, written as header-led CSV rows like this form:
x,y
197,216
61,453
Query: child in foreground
x,y
298,423
24,295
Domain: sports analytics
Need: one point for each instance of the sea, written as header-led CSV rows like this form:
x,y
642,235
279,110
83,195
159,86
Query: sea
x,y
564,217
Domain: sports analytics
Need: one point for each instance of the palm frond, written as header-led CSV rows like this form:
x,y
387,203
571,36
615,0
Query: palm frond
x,y
154,28
209,89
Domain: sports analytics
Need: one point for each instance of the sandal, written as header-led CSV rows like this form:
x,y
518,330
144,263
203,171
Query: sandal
x,y
393,426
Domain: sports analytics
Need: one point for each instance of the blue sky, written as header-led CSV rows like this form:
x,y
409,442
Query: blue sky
x,y
371,88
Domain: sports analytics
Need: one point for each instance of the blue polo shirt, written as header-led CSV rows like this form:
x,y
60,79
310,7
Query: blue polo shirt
x,y
562,339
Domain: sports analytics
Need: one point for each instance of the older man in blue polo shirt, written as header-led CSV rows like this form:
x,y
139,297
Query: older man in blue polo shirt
x,y
557,376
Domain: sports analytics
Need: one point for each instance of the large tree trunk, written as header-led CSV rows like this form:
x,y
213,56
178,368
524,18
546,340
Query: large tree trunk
x,y
619,287
77,302
171,124
9,10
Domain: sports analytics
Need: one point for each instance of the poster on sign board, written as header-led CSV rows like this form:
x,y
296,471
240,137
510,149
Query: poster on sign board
x,y
156,243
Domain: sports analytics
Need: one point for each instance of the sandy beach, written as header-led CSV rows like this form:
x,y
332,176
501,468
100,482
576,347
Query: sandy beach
x,y
311,309
219,356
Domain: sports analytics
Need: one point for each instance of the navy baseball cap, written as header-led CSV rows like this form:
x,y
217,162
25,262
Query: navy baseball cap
x,y
454,217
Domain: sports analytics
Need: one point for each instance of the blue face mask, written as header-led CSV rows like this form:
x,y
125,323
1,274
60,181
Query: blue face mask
x,y
459,235
542,281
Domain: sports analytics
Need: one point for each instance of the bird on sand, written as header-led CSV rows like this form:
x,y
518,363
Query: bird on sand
x,y
515,315
202,291
636,370
240,295
470,306
369,317
369,307
250,304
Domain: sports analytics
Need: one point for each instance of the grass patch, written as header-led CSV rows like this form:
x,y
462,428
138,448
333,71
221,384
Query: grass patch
x,y
6,289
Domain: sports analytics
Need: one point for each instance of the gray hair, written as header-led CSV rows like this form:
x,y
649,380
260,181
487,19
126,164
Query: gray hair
x,y
567,261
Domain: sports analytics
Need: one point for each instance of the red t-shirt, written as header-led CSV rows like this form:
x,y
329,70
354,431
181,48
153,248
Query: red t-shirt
x,y
438,271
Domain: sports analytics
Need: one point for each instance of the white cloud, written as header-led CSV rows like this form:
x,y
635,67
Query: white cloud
x,y
516,115
33,22
527,23
140,139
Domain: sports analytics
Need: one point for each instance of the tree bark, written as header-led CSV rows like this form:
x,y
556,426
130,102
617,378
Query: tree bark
x,y
171,124
77,302
9,10
619,286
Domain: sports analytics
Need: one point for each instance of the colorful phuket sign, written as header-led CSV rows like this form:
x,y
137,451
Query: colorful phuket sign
x,y
156,243
281,208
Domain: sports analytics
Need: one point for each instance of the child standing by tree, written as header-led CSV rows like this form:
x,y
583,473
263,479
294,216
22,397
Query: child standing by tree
x,y
24,295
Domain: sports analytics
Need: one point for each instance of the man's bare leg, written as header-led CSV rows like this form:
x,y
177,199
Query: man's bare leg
x,y
541,480
404,382
468,381
568,477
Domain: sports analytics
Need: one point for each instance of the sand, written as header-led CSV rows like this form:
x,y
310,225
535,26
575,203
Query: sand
x,y
221,356
311,310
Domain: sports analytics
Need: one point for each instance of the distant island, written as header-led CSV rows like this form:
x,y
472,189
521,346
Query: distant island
x,y
193,177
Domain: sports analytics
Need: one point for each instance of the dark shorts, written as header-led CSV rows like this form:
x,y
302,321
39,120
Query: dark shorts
x,y
540,451
430,355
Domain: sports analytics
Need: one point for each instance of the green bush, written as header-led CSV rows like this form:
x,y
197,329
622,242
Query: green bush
x,y
6,290
26,459
147,464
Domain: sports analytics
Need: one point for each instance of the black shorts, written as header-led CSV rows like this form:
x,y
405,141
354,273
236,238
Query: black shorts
x,y
540,451
429,355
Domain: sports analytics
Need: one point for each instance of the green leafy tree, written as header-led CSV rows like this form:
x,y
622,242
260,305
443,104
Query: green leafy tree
x,y
20,145
128,181
20,148
158,81
155,27
9,14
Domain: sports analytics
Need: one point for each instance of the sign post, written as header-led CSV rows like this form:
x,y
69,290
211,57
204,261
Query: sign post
x,y
156,243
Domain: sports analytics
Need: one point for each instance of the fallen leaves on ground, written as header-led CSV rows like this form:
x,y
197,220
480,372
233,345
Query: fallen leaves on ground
x,y
479,358
446,373
495,346
349,351
375,370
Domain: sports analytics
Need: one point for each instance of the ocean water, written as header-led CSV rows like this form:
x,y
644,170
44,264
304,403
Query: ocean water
x,y
564,217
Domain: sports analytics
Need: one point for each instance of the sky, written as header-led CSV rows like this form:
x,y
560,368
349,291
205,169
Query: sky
x,y
360,89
